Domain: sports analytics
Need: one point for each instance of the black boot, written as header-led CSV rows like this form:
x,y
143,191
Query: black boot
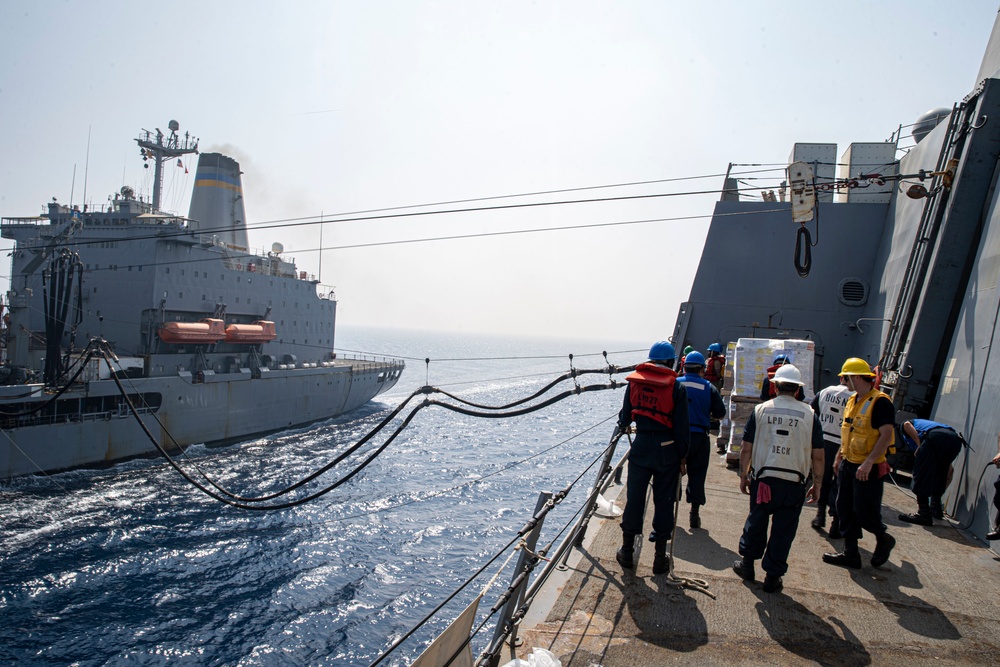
x,y
834,533
937,508
923,515
695,517
883,547
744,568
819,523
849,557
624,556
994,534
661,561
772,584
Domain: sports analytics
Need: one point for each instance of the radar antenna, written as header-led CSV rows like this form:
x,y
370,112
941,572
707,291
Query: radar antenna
x,y
160,147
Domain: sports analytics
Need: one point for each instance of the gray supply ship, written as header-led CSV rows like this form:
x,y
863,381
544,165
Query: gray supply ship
x,y
210,341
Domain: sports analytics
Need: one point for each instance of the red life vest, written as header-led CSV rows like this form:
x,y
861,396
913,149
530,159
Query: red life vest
x,y
772,391
651,392
713,369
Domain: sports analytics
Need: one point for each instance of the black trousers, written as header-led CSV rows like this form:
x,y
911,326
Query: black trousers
x,y
665,482
859,504
697,467
828,493
782,512
939,447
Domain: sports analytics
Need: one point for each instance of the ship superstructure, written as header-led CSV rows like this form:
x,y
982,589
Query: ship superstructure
x,y
902,272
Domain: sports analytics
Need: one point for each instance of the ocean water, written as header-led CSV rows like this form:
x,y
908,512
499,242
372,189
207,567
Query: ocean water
x,y
131,565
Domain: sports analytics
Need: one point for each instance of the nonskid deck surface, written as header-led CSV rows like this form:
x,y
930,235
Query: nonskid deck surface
x,y
937,600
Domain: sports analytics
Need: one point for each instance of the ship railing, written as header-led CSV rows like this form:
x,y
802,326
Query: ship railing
x,y
365,363
21,222
69,418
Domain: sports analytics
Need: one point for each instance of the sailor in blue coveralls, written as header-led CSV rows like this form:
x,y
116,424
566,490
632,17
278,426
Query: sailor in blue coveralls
x,y
781,441
704,404
658,405
936,446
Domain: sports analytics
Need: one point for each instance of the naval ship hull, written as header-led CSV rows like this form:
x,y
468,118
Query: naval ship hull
x,y
222,409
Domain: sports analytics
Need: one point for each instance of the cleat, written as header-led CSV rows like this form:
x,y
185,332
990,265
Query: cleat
x,y
772,584
843,560
883,547
744,569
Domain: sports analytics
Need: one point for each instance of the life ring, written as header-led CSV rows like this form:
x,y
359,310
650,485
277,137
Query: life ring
x,y
239,267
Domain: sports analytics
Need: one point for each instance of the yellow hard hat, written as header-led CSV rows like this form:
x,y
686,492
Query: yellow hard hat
x,y
855,366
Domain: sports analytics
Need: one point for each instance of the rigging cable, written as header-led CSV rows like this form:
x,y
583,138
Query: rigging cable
x,y
239,503
351,450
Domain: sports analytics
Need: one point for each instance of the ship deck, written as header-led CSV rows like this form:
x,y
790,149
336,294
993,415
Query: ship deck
x,y
934,602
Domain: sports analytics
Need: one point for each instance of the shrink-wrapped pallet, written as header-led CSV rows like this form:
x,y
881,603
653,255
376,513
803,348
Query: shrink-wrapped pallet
x,y
750,358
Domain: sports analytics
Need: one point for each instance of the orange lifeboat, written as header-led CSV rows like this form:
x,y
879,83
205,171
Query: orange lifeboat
x,y
208,330
260,331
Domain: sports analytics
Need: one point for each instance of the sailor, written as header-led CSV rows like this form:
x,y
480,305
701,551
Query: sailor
x,y
936,446
680,366
994,534
829,405
781,441
704,404
766,390
658,405
715,365
866,435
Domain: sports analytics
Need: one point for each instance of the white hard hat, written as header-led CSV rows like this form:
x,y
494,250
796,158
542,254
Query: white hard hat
x,y
788,373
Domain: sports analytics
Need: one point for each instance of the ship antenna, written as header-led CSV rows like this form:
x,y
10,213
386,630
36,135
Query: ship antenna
x,y
86,168
161,148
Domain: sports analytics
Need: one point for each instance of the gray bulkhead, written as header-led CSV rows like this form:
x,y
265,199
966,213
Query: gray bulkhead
x,y
932,271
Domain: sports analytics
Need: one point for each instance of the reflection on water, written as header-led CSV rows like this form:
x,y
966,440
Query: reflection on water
x,y
132,565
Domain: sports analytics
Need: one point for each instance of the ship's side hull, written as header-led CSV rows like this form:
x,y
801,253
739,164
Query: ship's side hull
x,y
929,267
222,408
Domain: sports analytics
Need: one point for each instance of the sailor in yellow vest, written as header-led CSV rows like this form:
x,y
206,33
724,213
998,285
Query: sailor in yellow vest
x,y
867,432
782,439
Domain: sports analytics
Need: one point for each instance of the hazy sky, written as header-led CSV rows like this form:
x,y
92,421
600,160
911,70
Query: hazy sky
x,y
335,107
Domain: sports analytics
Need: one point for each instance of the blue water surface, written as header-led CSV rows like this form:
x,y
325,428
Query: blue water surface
x,y
132,565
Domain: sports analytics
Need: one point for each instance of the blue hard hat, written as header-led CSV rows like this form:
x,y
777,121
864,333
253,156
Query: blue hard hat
x,y
662,351
715,347
781,359
694,359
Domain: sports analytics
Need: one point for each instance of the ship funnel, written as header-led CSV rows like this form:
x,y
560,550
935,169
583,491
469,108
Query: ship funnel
x,y
217,200
928,122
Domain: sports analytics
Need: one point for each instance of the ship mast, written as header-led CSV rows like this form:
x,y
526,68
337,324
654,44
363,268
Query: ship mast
x,y
162,147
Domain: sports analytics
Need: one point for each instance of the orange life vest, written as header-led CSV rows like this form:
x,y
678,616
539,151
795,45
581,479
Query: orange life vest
x,y
651,392
713,370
